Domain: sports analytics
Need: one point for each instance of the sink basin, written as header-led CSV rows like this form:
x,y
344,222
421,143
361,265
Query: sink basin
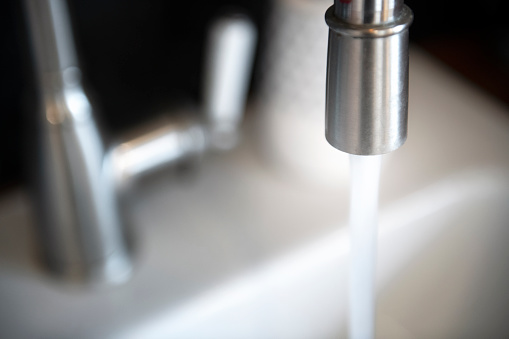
x,y
238,250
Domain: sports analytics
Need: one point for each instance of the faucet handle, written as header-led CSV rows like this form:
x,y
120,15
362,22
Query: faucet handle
x,y
228,67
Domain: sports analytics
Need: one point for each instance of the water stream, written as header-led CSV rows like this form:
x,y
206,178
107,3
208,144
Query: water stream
x,y
364,184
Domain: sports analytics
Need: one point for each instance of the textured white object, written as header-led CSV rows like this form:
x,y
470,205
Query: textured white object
x,y
292,95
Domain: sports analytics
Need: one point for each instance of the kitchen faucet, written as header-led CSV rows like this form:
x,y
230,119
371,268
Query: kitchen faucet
x,y
81,180
367,75
366,116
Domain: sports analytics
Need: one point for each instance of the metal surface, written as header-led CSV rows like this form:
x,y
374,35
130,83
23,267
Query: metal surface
x,y
368,12
51,35
162,143
367,76
80,227
79,178
230,54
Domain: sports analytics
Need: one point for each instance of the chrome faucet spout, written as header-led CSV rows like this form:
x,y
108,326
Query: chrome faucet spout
x,y
367,75
363,12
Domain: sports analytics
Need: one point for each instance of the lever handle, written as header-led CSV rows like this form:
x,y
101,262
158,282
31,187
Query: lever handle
x,y
228,68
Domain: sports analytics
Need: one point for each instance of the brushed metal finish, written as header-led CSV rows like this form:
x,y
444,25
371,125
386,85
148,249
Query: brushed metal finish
x,y
367,85
374,12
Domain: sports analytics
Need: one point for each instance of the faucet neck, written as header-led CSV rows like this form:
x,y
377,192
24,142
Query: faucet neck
x,y
368,12
51,35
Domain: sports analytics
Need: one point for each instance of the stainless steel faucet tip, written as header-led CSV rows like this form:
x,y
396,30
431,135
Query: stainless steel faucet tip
x,y
367,75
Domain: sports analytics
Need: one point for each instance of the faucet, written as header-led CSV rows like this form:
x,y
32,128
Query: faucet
x,y
366,115
367,75
81,179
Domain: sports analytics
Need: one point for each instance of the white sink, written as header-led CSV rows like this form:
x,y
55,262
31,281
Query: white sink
x,y
241,251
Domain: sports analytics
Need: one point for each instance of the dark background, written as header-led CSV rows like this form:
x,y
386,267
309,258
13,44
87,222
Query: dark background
x,y
139,55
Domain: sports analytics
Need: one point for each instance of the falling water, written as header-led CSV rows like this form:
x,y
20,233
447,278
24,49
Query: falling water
x,y
365,175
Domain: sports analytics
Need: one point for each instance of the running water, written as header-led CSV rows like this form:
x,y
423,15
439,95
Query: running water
x,y
364,183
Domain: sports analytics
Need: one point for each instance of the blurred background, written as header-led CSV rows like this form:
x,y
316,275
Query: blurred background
x,y
139,56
